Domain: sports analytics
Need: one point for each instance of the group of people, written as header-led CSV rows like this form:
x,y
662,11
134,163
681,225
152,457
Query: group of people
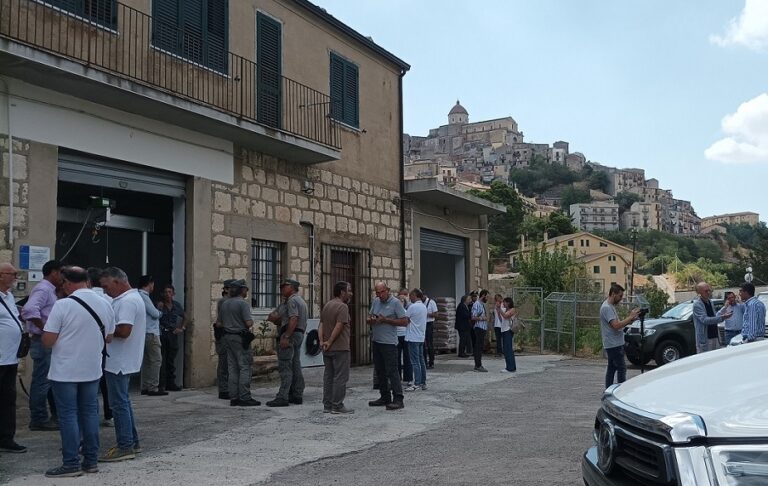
x,y
745,316
472,326
88,330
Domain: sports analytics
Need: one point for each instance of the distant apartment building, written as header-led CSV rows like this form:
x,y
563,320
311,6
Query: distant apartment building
x,y
620,180
747,217
601,216
643,216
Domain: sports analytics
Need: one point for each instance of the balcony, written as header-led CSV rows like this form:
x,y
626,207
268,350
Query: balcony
x,y
111,60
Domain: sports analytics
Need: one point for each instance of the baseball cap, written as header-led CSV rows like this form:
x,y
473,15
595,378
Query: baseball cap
x,y
238,284
291,282
228,282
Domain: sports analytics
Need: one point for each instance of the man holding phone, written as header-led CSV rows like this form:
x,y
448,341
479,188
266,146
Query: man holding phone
x,y
385,315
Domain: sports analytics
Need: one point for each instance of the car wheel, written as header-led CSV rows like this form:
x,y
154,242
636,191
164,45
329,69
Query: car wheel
x,y
668,351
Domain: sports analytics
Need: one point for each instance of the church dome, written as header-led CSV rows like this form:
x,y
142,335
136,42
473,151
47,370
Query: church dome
x,y
458,109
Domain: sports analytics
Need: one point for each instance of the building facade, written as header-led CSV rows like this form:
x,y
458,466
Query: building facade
x,y
746,217
643,216
603,216
199,142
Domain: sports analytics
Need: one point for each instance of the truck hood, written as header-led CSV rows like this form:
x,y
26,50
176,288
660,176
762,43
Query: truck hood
x,y
727,388
653,322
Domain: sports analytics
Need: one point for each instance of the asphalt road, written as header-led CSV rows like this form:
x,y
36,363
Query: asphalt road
x,y
529,428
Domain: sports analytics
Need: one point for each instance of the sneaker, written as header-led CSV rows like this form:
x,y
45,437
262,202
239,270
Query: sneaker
x,y
63,472
407,384
481,369
157,393
430,367
278,402
107,422
296,401
412,388
381,402
223,396
248,403
507,371
12,446
137,449
423,387
48,426
116,454
327,409
342,411
90,469
395,405
234,403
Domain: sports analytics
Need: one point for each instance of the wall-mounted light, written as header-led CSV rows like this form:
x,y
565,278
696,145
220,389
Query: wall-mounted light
x,y
308,187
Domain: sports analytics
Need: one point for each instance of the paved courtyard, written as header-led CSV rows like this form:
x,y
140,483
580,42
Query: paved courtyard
x,y
468,428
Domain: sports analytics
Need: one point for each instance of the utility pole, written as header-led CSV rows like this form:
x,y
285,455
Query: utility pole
x,y
632,269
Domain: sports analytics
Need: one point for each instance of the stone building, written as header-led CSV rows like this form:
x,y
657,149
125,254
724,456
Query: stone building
x,y
603,216
643,216
258,139
747,217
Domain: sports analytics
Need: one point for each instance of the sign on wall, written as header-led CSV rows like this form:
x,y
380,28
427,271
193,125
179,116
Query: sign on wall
x,y
33,257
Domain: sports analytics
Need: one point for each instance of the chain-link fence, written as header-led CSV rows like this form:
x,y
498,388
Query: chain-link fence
x,y
571,321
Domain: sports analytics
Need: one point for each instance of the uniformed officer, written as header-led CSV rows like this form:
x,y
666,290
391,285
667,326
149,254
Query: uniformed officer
x,y
293,314
222,373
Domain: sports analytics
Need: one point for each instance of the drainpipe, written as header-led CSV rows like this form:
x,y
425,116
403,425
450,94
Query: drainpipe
x,y
7,93
402,179
311,228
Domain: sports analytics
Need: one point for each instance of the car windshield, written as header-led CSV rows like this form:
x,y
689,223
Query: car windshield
x,y
680,311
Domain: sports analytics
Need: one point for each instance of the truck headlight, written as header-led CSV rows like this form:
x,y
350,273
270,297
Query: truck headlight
x,y
649,331
740,465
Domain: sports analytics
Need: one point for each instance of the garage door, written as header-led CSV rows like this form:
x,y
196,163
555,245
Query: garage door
x,y
442,243
106,173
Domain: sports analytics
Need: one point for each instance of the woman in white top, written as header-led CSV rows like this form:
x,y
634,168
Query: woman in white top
x,y
508,313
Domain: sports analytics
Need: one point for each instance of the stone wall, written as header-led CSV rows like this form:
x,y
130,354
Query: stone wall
x,y
267,202
20,192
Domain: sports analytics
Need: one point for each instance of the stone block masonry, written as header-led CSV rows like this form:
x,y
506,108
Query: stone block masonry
x,y
266,202
19,191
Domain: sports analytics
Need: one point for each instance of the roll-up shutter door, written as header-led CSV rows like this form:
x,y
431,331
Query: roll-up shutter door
x,y
106,173
442,243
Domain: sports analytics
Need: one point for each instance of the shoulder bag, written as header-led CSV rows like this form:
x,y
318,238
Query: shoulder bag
x,y
98,321
26,341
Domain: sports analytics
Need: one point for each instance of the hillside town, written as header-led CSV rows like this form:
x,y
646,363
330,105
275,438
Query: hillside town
x,y
471,155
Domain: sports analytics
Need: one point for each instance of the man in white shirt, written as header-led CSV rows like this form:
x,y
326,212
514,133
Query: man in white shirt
x,y
414,339
10,337
125,354
78,339
429,336
403,356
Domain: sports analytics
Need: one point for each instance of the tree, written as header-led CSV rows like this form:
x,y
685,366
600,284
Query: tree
x,y
598,180
625,200
503,229
554,224
553,271
573,195
657,299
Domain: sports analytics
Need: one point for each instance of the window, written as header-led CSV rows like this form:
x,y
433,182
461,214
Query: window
x,y
596,269
603,244
570,243
345,92
266,272
102,12
193,29
613,269
587,243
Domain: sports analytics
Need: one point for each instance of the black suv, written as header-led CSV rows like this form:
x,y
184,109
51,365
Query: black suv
x,y
667,338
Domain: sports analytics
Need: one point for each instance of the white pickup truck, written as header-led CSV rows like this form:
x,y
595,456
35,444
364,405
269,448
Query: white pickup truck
x,y
699,421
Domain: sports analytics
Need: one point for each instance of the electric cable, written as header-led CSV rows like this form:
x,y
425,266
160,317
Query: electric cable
x,y
77,238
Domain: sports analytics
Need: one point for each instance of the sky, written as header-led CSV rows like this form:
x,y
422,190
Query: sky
x,y
678,88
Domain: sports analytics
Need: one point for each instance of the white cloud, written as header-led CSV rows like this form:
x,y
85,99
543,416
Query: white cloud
x,y
746,133
749,29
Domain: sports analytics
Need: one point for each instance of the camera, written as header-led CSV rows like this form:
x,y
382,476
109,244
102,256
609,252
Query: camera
x,y
643,313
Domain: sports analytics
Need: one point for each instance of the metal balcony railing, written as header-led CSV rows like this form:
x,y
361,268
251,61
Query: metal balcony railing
x,y
118,39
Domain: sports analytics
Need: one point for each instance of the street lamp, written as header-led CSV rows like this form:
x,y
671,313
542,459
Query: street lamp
x,y
748,277
632,269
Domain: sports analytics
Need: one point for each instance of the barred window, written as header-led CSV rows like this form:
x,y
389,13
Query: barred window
x,y
266,272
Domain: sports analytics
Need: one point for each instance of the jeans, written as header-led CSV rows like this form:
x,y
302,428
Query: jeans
x,y
465,342
150,368
170,347
78,421
335,378
404,360
479,345
385,366
125,425
222,368
240,369
416,350
7,402
497,335
508,348
429,344
616,365
289,367
730,335
105,395
39,386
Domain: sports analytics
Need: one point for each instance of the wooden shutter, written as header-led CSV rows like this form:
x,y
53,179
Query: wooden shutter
x,y
337,87
191,22
165,25
351,111
216,35
268,70
102,12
